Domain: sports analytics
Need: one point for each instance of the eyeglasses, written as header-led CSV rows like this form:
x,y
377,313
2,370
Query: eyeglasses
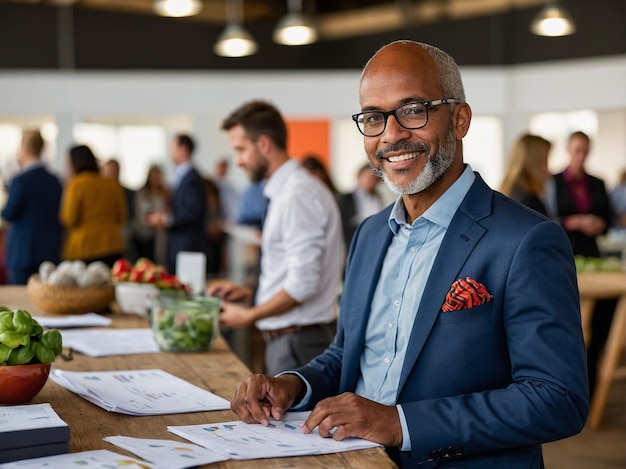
x,y
411,116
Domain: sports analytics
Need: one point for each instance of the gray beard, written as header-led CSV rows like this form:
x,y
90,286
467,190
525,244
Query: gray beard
x,y
435,167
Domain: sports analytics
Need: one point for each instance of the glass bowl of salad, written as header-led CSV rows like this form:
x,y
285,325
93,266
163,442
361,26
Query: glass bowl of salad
x,y
185,324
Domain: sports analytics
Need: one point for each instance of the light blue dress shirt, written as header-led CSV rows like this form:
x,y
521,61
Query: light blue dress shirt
x,y
401,284
180,172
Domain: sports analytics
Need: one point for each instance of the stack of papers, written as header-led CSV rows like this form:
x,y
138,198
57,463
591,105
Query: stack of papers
x,y
97,459
239,440
31,430
139,392
105,342
167,454
74,320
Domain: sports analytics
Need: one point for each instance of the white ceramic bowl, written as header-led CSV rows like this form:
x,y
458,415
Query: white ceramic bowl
x,y
134,297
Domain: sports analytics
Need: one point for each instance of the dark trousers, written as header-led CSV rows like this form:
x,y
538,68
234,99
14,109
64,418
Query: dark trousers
x,y
20,275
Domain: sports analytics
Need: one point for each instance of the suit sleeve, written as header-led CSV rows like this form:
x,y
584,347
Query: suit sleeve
x,y
547,396
15,203
190,203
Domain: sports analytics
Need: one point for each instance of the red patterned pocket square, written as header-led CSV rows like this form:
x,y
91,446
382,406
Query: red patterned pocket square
x,y
464,294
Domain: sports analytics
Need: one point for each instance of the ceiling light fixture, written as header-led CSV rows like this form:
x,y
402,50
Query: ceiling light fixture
x,y
177,8
553,20
235,41
295,28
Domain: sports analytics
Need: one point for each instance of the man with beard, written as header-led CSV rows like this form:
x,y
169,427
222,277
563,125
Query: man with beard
x,y
302,254
459,341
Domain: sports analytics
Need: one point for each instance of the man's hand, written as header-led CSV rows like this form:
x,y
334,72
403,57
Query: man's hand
x,y
157,219
230,291
590,225
259,397
234,316
350,415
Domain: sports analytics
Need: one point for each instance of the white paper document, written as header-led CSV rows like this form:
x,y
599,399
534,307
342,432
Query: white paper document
x,y
106,342
243,233
73,320
239,440
139,392
26,417
98,459
167,454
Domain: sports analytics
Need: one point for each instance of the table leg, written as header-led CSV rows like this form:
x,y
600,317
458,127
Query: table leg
x,y
587,306
608,367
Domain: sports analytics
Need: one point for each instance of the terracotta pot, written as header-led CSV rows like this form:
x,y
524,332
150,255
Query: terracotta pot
x,y
21,383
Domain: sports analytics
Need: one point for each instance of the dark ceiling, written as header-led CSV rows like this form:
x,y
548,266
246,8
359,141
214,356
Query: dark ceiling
x,y
85,36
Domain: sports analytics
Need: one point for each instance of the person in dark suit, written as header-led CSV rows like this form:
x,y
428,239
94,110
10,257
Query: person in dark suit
x,y
32,209
359,204
186,219
585,212
459,341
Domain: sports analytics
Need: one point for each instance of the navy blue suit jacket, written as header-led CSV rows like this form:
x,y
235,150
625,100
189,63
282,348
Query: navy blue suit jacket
x,y
189,210
33,211
496,380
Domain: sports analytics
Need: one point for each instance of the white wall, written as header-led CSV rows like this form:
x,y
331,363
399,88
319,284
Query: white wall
x,y
197,101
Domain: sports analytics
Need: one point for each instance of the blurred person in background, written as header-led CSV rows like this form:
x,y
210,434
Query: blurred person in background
x,y
584,210
361,203
583,206
527,172
228,195
215,228
111,169
93,209
153,196
185,220
32,210
618,201
315,166
252,206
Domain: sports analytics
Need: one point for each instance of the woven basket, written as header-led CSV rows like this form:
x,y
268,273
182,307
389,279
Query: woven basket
x,y
56,299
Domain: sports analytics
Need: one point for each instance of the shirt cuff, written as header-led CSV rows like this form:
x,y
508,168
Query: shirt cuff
x,y
406,437
304,402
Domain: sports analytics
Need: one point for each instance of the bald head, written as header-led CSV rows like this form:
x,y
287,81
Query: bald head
x,y
406,58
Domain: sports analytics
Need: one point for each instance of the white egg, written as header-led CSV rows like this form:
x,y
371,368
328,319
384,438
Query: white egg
x,y
45,269
61,278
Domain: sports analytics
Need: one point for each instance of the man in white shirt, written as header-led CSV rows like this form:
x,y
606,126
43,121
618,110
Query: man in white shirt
x,y
295,304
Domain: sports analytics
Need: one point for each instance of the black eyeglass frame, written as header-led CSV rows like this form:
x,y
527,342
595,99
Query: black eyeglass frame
x,y
427,105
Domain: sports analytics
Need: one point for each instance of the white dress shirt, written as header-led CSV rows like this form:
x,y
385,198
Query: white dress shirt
x,y
302,248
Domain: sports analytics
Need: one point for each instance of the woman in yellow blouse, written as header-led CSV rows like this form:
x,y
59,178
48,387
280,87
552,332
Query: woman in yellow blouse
x,y
93,210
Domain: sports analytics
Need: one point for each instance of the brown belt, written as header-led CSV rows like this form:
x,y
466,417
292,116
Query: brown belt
x,y
290,330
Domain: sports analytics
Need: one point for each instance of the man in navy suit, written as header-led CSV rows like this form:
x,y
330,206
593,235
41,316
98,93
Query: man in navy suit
x,y
186,220
32,209
459,341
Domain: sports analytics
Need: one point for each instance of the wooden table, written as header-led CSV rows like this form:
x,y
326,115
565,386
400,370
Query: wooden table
x,y
218,371
595,286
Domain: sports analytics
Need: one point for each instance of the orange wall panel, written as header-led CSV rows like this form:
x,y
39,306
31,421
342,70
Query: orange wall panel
x,y
307,137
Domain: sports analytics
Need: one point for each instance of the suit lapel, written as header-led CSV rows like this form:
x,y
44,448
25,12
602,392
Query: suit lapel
x,y
459,241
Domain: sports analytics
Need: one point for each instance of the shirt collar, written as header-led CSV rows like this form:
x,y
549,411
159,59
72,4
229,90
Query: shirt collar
x,y
30,166
444,208
570,178
279,178
181,171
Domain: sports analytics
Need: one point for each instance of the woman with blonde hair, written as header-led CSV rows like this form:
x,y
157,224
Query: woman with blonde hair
x,y
527,171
